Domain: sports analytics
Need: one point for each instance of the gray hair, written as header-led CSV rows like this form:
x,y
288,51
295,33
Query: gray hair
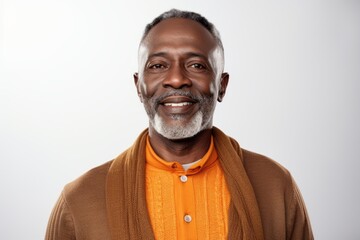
x,y
175,13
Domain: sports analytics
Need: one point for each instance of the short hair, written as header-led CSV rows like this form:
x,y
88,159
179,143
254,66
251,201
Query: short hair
x,y
175,13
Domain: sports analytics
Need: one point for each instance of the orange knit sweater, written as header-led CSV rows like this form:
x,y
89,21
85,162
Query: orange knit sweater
x,y
190,204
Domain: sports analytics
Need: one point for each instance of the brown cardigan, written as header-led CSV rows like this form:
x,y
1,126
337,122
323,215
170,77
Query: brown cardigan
x,y
108,202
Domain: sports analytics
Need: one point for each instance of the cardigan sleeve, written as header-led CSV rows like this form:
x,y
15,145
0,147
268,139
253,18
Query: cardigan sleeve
x,y
298,223
61,224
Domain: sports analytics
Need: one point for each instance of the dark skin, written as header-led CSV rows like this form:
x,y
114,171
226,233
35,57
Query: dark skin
x,y
180,54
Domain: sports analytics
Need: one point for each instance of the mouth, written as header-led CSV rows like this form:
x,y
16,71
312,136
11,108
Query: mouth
x,y
178,104
177,101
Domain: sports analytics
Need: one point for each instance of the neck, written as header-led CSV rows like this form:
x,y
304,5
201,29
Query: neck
x,y
183,151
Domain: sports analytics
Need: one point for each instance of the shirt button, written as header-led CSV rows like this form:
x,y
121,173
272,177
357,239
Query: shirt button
x,y
187,218
183,178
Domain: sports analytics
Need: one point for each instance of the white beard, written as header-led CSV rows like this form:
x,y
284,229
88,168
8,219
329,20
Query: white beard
x,y
179,131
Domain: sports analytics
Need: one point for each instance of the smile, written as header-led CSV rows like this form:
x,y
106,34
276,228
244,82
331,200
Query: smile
x,y
180,104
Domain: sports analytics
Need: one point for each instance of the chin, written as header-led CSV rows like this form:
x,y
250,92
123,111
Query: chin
x,y
178,129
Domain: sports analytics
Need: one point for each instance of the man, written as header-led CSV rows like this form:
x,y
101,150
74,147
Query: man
x,y
182,178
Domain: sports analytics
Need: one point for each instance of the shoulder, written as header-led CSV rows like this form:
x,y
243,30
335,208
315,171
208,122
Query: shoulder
x,y
259,168
265,172
270,180
263,165
90,183
278,197
85,201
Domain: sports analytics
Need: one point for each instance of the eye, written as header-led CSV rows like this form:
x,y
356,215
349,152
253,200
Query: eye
x,y
156,66
198,66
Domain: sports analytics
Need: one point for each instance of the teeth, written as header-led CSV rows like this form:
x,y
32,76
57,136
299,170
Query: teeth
x,y
177,104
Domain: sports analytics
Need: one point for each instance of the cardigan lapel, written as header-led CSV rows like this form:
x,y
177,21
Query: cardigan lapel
x,y
243,207
125,194
126,201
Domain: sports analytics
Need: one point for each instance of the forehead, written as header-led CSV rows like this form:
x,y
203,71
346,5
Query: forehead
x,y
180,33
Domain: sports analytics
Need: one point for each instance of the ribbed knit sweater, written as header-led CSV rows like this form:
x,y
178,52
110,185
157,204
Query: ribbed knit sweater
x,y
190,204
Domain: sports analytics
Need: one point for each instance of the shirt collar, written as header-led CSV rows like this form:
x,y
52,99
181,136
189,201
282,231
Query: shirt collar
x,y
206,161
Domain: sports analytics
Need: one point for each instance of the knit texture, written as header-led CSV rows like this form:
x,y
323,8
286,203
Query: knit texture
x,y
104,204
126,193
203,195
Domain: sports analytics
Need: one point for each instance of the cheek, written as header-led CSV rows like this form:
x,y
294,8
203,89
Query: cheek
x,y
149,86
213,89
142,88
208,88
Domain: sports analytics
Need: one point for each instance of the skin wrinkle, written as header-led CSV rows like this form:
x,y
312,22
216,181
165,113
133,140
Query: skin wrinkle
x,y
216,59
174,51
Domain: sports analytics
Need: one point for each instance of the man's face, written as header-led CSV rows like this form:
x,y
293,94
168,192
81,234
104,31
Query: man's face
x,y
180,77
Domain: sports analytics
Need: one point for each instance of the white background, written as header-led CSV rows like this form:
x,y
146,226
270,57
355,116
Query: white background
x,y
68,103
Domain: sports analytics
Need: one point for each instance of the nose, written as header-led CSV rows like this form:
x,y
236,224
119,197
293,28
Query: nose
x,y
176,78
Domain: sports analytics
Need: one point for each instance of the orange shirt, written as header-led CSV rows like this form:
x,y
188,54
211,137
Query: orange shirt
x,y
190,204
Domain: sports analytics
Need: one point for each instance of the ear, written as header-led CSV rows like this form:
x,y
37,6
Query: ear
x,y
223,85
136,81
